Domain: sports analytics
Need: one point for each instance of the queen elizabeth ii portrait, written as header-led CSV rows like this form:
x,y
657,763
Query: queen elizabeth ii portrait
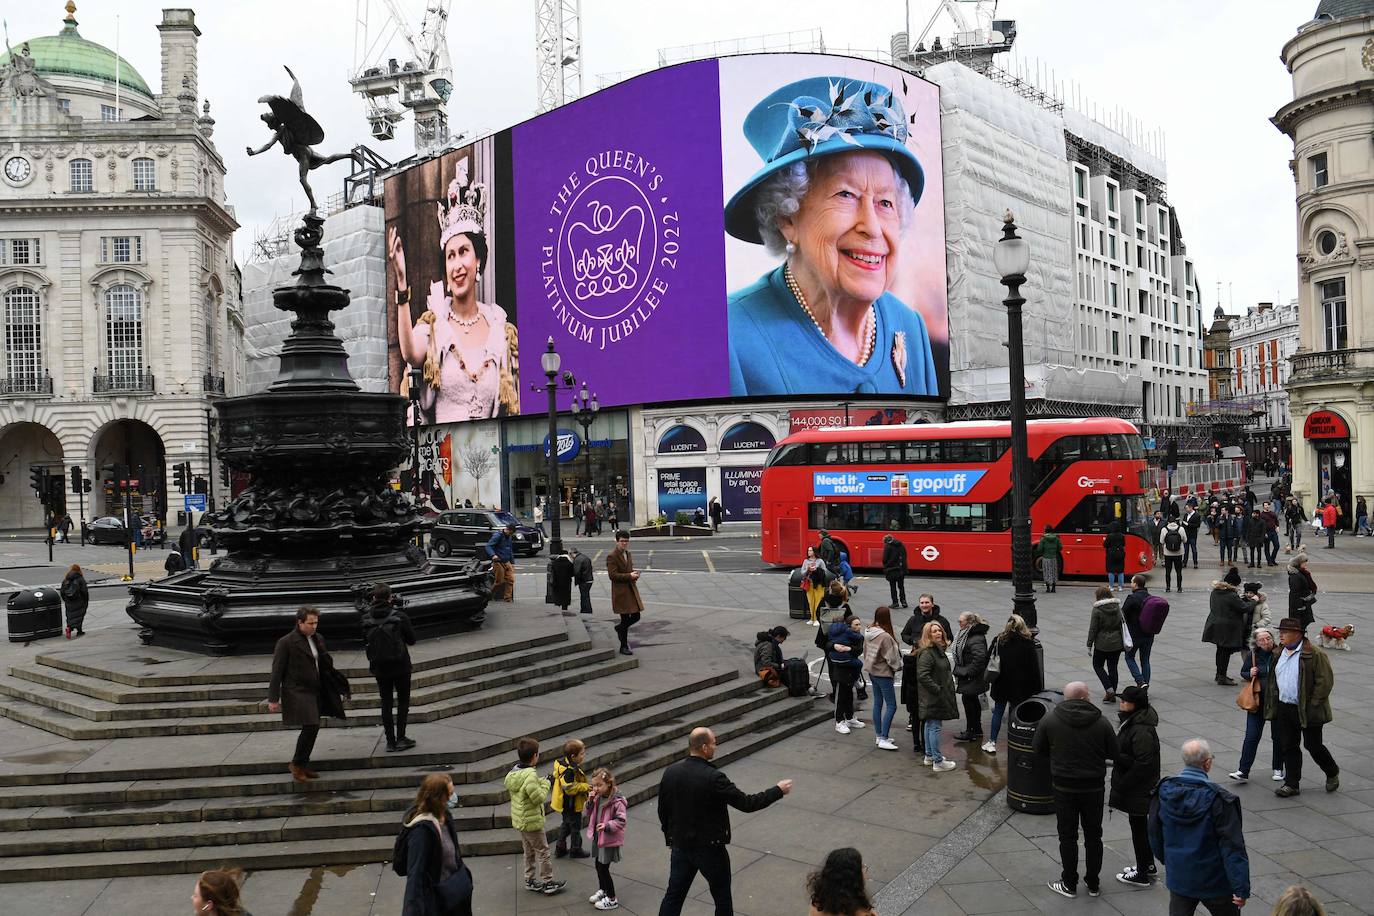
x,y
836,193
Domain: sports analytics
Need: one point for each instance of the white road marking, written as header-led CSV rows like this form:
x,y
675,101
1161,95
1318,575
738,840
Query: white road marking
x,y
705,555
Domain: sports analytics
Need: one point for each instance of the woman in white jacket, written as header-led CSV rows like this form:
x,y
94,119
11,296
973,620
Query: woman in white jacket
x,y
882,660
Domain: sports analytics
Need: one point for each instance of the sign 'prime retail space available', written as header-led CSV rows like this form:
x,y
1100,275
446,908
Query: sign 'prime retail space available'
x,y
894,483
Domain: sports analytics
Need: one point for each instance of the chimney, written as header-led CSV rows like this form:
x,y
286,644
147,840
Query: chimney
x,y
179,34
1265,307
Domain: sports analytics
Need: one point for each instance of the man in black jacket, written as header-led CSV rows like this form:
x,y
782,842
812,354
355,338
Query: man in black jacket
x,y
894,569
927,611
582,574
387,632
1142,643
692,800
1079,743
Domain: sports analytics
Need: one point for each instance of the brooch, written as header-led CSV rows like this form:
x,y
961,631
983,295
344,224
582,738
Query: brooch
x,y
899,356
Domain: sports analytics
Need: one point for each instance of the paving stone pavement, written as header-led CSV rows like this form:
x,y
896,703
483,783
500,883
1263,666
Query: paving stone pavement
x,y
936,844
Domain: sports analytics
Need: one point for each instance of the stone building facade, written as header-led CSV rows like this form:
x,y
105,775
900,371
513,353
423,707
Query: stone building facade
x,y
1330,120
1262,341
118,290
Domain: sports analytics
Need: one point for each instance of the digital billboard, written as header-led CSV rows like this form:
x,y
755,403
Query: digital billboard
x,y
755,226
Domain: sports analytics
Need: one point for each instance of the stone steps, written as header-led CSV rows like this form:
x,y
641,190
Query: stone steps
x,y
261,837
442,670
61,698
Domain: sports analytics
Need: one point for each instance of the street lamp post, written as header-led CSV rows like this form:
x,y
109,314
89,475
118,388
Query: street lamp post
x,y
550,362
585,409
416,379
1011,257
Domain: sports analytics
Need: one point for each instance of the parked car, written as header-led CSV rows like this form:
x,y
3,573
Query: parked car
x,y
466,531
109,529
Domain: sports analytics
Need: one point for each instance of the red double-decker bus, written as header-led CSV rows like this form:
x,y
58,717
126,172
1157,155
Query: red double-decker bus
x,y
944,490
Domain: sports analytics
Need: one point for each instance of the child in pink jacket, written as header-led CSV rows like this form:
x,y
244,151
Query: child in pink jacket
x,y
606,829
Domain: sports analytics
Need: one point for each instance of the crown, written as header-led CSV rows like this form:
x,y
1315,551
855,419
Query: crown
x,y
465,210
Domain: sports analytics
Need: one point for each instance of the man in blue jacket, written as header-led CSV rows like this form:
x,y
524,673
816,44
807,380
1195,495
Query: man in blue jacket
x,y
1195,830
501,549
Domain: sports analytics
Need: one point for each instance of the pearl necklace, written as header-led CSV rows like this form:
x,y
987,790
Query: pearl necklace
x,y
869,330
465,323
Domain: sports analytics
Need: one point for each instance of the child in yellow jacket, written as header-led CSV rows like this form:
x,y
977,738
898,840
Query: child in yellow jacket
x,y
570,790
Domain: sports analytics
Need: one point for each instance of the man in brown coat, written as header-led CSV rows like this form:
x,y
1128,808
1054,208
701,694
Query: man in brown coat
x,y
625,600
304,687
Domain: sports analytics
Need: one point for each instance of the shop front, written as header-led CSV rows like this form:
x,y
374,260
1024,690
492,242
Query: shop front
x,y
1329,435
592,462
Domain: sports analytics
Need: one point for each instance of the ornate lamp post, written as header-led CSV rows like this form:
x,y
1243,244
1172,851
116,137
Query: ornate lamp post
x,y
550,362
1011,257
416,379
585,409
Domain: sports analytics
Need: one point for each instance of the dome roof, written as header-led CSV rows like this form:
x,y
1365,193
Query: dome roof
x,y
68,54
1340,9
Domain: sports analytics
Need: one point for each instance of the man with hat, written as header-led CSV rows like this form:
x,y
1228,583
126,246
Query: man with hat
x,y
501,549
1297,699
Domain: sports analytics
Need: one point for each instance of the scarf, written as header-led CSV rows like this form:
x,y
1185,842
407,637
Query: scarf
x,y
960,639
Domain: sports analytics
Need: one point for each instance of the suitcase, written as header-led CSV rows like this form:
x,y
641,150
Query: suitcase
x,y
796,677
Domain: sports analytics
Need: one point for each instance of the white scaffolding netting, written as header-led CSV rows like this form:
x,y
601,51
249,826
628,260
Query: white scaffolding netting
x,y
1003,152
354,253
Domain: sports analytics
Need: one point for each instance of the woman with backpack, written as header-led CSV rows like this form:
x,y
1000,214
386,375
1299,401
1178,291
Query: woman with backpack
x,y
428,855
1105,639
386,634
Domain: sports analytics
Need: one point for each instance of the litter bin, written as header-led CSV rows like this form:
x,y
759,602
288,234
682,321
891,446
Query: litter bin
x,y
1028,775
797,608
35,613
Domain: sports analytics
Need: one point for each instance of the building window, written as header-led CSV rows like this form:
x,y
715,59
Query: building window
x,y
1326,241
1111,198
1333,313
64,106
21,251
23,335
1116,343
110,113
121,249
1080,183
124,333
1319,174
82,175
211,354
145,175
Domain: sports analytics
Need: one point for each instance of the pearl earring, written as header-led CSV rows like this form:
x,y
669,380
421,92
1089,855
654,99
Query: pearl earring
x,y
791,249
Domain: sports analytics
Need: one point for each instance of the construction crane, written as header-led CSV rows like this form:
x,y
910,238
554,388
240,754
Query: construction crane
x,y
984,12
420,81
558,51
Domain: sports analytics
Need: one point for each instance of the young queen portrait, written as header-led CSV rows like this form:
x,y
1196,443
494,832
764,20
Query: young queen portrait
x,y
466,349
836,193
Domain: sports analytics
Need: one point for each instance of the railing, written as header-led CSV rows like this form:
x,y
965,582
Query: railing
x,y
30,385
123,383
1332,362
1224,409
212,384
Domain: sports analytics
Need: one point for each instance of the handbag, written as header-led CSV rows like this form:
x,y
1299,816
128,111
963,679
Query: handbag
x,y
455,891
1126,636
862,688
806,583
1248,697
994,667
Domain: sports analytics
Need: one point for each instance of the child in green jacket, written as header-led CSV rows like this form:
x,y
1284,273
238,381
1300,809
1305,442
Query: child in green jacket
x,y
528,790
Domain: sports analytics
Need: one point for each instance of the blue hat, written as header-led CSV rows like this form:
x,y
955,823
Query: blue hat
x,y
818,117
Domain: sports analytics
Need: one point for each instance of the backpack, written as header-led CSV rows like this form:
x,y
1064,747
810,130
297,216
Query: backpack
x,y
400,850
384,643
1172,539
1152,615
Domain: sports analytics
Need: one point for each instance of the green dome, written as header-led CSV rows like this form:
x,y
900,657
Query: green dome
x,y
68,54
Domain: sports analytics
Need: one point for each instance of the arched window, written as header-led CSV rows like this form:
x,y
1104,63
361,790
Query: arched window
x,y
145,175
82,175
211,352
23,339
124,335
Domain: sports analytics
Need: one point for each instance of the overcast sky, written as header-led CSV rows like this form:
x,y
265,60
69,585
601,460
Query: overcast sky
x,y
1208,74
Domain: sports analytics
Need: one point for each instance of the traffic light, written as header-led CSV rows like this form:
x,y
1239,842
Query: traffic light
x,y
181,474
76,479
201,485
86,485
224,473
1216,449
38,479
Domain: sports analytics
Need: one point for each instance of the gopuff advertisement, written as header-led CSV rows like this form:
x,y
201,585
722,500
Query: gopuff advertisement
x,y
757,226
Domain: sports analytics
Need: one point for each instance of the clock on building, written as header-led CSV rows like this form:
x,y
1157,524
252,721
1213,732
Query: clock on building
x,y
18,169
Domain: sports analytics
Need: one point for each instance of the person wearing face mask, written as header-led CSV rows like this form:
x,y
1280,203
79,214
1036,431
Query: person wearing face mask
x,y
217,893
427,853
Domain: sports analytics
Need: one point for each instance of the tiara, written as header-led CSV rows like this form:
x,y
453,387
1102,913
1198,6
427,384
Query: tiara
x,y
465,209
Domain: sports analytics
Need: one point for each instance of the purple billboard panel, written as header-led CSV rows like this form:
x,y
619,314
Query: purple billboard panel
x,y
617,214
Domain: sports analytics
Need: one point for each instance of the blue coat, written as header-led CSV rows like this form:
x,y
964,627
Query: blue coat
x,y
776,349
843,634
501,548
1195,830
